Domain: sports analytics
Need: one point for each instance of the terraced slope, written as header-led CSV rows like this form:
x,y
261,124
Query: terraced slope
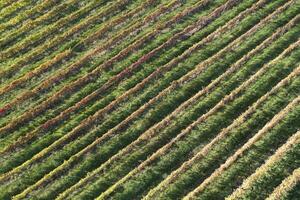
x,y
149,99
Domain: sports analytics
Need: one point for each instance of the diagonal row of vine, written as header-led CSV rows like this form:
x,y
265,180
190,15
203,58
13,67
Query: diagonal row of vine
x,y
155,99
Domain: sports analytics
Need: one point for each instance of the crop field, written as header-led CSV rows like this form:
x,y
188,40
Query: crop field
x,y
150,99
